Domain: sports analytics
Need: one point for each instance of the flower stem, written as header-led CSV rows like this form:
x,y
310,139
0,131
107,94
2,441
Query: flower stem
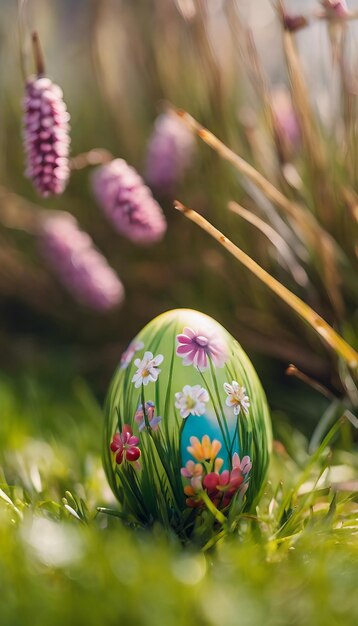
x,y
38,54
97,156
146,421
220,403
220,517
223,433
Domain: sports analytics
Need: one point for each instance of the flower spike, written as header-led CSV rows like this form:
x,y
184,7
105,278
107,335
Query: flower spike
x,y
128,203
46,132
169,153
78,264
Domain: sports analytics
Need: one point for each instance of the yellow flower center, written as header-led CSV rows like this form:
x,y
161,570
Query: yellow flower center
x,y
190,402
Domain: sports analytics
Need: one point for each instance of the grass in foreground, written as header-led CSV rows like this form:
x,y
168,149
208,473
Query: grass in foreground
x,y
293,562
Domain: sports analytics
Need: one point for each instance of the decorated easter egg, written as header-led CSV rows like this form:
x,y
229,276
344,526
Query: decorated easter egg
x,y
187,433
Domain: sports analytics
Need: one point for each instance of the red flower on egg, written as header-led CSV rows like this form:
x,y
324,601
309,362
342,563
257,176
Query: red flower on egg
x,y
125,445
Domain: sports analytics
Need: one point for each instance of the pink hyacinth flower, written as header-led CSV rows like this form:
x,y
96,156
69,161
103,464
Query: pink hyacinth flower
x,y
128,203
196,347
285,120
79,266
335,10
46,136
125,445
169,154
294,23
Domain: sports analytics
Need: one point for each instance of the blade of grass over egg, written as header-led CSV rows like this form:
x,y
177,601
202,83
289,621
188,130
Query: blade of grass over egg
x,y
163,456
167,396
335,341
217,413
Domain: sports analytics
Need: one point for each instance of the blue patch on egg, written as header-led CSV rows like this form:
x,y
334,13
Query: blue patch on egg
x,y
208,425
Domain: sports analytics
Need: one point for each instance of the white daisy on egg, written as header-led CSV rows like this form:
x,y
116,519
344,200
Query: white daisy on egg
x,y
147,369
191,401
237,398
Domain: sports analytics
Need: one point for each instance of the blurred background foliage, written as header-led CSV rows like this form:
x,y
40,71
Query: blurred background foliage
x,y
225,62
118,64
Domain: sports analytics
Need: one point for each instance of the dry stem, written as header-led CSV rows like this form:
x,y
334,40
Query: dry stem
x,y
97,156
311,231
38,54
335,341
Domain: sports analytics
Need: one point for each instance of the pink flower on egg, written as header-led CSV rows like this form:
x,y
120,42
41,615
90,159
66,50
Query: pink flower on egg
x,y
221,488
196,347
129,353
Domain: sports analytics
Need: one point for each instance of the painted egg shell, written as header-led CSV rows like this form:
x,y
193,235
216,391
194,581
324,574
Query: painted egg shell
x,y
187,423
